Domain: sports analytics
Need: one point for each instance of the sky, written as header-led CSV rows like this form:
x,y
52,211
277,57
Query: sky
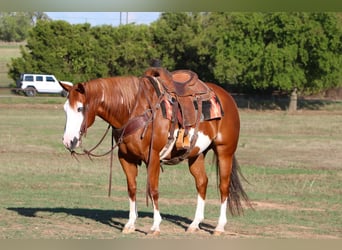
x,y
100,18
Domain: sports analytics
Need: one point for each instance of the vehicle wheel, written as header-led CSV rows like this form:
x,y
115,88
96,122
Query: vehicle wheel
x,y
64,93
30,91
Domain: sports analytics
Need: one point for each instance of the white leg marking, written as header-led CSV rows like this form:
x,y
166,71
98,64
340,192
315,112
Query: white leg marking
x,y
130,225
156,220
223,217
199,215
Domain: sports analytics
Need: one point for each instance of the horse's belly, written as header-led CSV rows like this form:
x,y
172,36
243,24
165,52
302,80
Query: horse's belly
x,y
202,143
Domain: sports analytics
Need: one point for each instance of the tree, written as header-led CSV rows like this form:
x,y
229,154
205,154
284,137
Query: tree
x,y
276,51
253,52
59,48
79,52
175,36
131,50
15,26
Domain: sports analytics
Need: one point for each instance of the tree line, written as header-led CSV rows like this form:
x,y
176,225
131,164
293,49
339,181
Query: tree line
x,y
249,52
15,26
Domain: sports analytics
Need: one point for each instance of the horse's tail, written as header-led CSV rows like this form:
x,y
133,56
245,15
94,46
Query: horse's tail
x,y
236,191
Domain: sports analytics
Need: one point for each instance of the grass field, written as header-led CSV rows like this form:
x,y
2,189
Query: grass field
x,y
7,51
292,161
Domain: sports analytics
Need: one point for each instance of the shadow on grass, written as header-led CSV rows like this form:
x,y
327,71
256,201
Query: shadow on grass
x,y
107,217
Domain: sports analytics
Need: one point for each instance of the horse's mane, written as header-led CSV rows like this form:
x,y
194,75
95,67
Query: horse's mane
x,y
117,93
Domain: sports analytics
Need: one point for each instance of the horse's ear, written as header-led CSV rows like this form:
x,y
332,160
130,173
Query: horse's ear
x,y
80,88
66,87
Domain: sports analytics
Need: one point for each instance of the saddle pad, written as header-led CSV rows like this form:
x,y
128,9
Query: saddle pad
x,y
211,108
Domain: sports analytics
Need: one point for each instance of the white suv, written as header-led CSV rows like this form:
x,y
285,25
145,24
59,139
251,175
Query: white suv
x,y
31,84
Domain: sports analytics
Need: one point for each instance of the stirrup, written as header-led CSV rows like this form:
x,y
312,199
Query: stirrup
x,y
186,141
180,137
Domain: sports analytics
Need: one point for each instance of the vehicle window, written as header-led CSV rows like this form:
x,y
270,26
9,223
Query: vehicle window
x,y
50,79
39,78
28,78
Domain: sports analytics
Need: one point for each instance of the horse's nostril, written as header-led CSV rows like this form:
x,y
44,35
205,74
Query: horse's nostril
x,y
73,143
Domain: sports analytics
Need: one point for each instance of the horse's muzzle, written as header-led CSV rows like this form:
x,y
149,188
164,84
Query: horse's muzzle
x,y
72,144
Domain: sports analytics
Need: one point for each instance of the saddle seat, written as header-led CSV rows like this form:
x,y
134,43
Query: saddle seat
x,y
180,82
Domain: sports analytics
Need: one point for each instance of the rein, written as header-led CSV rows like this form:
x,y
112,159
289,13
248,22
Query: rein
x,y
90,154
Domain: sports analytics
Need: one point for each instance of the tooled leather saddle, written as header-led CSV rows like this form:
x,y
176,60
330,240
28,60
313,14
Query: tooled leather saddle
x,y
186,101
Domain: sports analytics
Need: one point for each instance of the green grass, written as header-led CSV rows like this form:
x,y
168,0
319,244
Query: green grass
x,y
7,52
9,98
293,164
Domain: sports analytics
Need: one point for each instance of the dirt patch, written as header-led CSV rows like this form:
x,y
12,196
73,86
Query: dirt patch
x,y
276,206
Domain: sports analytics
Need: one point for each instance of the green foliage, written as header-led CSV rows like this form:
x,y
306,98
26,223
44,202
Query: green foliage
x,y
176,37
131,49
276,50
80,52
15,26
247,51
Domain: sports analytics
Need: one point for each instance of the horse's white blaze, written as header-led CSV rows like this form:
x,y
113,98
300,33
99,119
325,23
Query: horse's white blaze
x,y
199,215
74,119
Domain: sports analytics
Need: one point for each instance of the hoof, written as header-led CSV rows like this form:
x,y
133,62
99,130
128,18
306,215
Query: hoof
x,y
192,230
218,233
153,233
128,230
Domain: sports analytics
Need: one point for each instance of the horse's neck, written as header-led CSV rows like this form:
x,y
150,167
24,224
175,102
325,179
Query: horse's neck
x,y
118,104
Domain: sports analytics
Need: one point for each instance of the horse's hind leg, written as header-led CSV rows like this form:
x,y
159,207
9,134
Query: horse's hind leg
x,y
225,163
197,169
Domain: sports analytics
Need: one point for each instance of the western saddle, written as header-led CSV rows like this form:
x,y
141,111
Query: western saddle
x,y
186,92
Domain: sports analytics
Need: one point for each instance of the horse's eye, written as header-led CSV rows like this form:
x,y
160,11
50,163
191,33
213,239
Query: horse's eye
x,y
80,109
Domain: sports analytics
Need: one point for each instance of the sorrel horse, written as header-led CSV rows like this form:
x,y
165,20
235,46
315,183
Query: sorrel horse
x,y
122,101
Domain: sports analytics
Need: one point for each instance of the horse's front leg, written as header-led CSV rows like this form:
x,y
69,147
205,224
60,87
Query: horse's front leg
x,y
131,172
153,171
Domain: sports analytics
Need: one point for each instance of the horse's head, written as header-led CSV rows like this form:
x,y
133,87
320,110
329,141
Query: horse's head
x,y
78,118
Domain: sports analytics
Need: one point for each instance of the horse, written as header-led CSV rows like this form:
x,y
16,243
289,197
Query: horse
x,y
132,107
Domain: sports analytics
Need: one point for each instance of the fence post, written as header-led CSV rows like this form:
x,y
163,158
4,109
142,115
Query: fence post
x,y
293,101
